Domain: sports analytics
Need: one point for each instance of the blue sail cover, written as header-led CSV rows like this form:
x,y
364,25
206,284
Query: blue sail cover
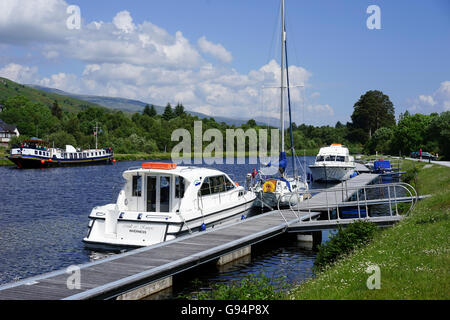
x,y
282,162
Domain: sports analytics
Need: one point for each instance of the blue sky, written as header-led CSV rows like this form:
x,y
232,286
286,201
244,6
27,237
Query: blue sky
x,y
214,56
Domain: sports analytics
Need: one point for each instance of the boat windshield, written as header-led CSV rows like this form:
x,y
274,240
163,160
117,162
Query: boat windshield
x,y
330,158
216,184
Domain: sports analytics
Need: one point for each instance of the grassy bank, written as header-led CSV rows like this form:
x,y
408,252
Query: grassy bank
x,y
413,256
3,160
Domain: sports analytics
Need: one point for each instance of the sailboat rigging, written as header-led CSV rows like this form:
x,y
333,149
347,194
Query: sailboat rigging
x,y
278,191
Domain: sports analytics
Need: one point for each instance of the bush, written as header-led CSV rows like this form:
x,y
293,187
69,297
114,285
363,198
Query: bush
x,y
252,287
345,241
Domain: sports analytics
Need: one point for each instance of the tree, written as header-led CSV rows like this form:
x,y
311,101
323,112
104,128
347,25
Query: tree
x,y
150,111
62,138
339,125
179,110
410,133
380,141
372,111
439,130
251,123
56,110
168,112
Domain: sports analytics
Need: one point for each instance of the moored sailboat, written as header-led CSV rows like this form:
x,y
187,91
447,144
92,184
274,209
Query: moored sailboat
x,y
282,190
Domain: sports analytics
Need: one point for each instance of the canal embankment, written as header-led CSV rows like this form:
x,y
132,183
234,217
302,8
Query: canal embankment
x,y
409,260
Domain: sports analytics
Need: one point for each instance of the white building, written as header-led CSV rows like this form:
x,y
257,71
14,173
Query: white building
x,y
7,131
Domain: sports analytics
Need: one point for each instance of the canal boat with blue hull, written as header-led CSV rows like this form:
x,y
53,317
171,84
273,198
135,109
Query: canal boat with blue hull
x,y
160,202
36,153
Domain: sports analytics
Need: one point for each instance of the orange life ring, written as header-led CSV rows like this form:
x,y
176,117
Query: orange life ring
x,y
269,186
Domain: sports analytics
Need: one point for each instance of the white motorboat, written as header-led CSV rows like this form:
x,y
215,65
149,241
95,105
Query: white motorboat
x,y
333,163
161,201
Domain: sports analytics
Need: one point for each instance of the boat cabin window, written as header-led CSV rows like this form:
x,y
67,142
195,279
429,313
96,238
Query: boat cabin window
x,y
205,187
216,184
151,194
179,187
319,158
340,158
228,184
137,186
330,158
164,191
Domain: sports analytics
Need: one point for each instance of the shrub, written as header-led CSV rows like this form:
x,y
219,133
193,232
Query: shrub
x,y
252,287
343,242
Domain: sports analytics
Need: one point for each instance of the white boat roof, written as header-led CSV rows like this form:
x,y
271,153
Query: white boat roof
x,y
334,149
189,173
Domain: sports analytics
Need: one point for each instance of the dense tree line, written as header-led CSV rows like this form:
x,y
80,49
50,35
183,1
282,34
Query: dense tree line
x,y
373,128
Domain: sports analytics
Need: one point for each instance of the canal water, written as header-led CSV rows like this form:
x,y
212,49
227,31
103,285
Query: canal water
x,y
44,217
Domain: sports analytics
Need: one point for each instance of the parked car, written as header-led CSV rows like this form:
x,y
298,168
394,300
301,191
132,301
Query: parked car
x,y
415,154
425,155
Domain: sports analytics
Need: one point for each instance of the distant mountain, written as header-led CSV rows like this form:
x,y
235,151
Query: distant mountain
x,y
130,105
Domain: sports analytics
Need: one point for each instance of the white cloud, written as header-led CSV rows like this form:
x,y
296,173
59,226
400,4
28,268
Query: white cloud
x,y
438,101
143,61
124,22
427,100
320,110
28,21
62,81
216,50
19,73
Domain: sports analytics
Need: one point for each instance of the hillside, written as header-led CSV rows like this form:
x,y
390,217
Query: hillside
x,y
76,102
130,105
10,89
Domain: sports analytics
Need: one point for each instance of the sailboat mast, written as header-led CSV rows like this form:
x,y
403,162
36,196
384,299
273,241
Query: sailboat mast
x,y
96,133
283,37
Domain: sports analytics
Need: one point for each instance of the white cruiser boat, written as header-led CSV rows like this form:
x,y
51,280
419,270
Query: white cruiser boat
x,y
333,163
161,201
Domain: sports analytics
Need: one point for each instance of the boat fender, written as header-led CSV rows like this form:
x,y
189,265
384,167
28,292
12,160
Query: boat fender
x,y
268,186
203,227
242,217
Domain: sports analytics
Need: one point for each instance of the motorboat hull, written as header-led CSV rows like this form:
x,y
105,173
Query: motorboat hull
x,y
331,173
134,233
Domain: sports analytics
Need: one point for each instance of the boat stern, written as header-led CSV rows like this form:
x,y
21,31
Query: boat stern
x,y
108,226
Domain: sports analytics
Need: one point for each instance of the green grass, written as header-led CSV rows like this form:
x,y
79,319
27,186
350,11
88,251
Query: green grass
x,y
413,256
3,160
